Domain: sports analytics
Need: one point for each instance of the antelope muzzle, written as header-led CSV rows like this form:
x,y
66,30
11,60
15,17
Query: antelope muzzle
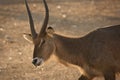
x,y
37,61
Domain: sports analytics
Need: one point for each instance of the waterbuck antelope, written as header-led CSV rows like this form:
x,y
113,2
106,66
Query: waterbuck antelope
x,y
96,54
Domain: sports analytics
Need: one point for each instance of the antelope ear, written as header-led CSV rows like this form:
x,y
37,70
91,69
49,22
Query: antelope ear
x,y
28,37
50,31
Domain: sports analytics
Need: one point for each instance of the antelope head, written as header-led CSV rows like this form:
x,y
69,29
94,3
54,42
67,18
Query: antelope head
x,y
43,43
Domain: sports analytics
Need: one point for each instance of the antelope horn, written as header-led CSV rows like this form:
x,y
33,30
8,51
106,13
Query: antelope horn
x,y
33,32
44,26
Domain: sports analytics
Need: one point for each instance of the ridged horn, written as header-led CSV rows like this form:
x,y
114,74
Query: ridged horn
x,y
32,28
44,26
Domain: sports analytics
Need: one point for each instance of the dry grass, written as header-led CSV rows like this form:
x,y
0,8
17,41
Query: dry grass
x,y
70,18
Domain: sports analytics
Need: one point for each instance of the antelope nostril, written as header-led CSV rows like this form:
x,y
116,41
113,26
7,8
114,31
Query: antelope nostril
x,y
34,61
37,61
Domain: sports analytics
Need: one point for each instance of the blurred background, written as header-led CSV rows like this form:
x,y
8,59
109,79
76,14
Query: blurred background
x,y
68,17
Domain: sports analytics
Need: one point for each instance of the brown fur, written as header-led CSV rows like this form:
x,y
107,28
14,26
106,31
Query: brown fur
x,y
96,54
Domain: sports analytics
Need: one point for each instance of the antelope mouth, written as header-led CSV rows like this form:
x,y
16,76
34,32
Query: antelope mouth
x,y
37,61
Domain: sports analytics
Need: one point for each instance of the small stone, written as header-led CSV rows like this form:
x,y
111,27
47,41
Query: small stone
x,y
39,72
58,7
10,58
15,24
64,16
42,69
34,5
20,53
1,29
30,58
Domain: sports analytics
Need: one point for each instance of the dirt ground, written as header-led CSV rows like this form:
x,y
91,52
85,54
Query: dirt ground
x,y
67,17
